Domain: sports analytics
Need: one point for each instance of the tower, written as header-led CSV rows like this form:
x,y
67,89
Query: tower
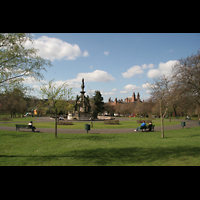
x,y
133,97
138,96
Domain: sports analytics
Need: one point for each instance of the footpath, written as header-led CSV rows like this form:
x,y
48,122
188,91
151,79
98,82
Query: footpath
x,y
189,124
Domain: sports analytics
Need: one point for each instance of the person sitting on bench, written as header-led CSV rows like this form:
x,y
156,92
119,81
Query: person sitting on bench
x,y
142,125
31,124
150,126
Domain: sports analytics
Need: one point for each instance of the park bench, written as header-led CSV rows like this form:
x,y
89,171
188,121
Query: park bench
x,y
145,128
18,126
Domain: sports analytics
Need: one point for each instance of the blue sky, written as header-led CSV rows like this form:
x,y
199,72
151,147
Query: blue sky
x,y
117,64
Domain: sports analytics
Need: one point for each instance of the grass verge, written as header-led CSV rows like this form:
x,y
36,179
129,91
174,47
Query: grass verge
x,y
96,125
179,147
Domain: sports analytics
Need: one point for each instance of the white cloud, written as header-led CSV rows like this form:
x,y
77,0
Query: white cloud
x,y
151,65
32,80
152,73
54,48
106,53
163,69
146,86
131,87
85,53
132,71
95,76
109,93
70,84
115,89
144,66
123,92
148,91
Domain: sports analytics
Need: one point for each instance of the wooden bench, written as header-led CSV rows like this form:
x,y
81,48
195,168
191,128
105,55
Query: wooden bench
x,y
145,128
18,126
142,128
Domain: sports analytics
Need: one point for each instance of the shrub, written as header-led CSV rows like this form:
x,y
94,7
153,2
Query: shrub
x,y
146,121
109,121
65,123
5,119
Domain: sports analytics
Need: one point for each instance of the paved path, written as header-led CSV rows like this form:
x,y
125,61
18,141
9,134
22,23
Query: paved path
x,y
189,124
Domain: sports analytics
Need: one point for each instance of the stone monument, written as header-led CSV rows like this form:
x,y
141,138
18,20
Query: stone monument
x,y
82,108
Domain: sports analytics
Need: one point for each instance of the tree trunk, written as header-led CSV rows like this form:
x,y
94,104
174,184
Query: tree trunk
x,y
56,125
175,112
162,125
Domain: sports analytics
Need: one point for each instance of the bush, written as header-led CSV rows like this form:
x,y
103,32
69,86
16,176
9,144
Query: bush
x,y
194,115
65,123
109,121
5,119
146,121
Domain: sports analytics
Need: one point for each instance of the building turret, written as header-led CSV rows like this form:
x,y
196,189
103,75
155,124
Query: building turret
x,y
138,96
133,97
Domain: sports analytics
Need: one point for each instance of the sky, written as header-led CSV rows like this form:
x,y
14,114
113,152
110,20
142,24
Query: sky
x,y
116,64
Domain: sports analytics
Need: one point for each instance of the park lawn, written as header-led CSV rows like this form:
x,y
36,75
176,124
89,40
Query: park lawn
x,y
96,125
21,119
179,147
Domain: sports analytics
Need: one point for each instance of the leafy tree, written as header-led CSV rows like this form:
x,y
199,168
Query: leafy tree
x,y
17,62
55,96
109,108
13,101
98,104
187,73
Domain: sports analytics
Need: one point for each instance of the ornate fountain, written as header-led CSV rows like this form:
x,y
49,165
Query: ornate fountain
x,y
82,108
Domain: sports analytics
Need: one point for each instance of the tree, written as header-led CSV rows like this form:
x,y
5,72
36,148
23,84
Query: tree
x,y
187,73
55,96
109,108
165,90
98,104
17,62
13,101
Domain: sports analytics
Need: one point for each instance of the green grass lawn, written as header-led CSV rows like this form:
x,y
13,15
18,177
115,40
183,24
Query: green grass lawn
x,y
22,119
179,147
96,125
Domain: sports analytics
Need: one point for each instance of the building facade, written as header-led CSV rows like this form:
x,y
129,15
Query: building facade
x,y
127,100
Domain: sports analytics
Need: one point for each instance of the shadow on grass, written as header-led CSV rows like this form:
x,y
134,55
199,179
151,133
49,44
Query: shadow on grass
x,y
119,156
133,155
15,135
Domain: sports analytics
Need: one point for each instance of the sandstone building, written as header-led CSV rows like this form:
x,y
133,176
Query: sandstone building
x,y
126,100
